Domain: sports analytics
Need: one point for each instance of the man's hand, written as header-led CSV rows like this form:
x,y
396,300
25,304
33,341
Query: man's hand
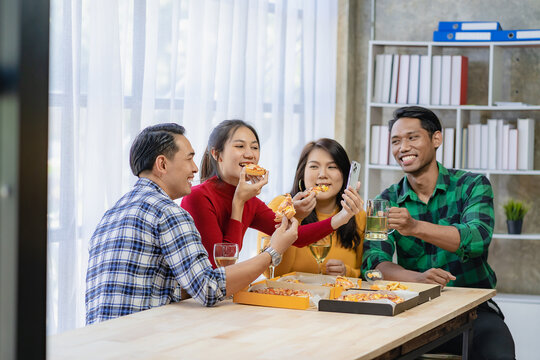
x,y
285,235
304,203
401,220
335,267
436,276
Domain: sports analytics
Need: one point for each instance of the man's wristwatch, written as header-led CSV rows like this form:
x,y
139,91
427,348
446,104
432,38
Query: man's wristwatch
x,y
276,257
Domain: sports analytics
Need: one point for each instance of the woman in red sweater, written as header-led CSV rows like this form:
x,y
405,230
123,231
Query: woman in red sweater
x,y
225,205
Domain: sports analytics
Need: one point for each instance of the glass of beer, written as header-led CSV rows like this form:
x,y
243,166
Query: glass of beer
x,y
225,254
377,220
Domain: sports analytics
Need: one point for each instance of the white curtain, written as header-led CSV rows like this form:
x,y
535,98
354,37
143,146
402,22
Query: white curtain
x,y
118,66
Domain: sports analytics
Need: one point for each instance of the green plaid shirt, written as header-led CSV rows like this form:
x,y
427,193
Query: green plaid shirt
x,y
460,199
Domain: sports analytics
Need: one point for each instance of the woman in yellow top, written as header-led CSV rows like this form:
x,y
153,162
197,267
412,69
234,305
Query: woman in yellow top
x,y
323,162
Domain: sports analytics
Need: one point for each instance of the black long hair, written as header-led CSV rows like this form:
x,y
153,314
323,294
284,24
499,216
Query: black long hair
x,y
348,236
218,137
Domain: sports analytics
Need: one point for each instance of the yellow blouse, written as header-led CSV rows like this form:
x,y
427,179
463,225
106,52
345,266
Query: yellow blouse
x,y
301,259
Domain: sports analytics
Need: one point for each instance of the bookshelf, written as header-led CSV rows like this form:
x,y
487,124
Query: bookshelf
x,y
493,70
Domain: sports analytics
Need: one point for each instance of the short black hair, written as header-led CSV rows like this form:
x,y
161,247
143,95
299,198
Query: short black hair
x,y
428,120
150,143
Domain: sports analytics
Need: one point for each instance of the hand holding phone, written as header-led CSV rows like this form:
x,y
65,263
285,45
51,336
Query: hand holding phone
x,y
354,174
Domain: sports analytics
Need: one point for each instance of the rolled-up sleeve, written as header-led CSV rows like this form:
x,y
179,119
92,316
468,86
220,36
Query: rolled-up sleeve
x,y
184,253
376,252
477,219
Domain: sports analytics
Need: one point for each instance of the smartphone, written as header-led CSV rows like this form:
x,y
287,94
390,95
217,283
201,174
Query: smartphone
x,y
354,174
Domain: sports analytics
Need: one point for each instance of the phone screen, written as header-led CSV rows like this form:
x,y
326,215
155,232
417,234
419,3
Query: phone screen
x,y
354,174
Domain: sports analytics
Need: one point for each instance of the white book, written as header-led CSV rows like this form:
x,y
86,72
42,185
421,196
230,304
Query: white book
x,y
391,158
379,71
424,83
436,80
492,144
485,147
470,147
448,148
477,146
439,154
375,137
458,87
403,79
414,77
383,145
512,149
526,144
464,148
446,78
387,78
505,147
500,125
394,84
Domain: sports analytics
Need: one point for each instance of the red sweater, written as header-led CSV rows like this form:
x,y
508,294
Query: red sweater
x,y
210,205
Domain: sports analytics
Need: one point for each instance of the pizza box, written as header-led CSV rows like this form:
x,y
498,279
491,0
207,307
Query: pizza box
x,y
425,292
317,292
317,279
383,307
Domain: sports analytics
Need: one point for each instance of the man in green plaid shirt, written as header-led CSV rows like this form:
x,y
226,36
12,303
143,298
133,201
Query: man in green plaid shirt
x,y
443,221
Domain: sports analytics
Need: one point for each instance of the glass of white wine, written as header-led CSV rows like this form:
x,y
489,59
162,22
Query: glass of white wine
x,y
320,250
225,254
265,242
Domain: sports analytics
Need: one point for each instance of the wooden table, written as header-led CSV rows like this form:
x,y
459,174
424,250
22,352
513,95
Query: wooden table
x,y
190,331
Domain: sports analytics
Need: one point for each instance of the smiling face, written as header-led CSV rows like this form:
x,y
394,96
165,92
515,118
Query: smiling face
x,y
241,148
180,169
412,146
321,169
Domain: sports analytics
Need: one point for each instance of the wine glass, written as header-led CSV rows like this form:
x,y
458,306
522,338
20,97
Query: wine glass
x,y
265,242
320,250
225,254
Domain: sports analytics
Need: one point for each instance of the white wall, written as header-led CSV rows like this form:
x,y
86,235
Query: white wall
x,y
522,315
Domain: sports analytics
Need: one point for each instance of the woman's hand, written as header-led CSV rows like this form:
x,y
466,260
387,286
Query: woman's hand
x,y
249,186
352,204
246,190
304,203
335,267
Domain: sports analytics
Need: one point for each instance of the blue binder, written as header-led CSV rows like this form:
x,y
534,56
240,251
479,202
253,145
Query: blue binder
x,y
516,35
472,36
456,36
469,25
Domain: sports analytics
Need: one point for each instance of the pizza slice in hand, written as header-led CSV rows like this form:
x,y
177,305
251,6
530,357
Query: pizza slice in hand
x,y
286,208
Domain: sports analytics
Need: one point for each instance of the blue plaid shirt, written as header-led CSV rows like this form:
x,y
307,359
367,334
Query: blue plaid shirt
x,y
144,250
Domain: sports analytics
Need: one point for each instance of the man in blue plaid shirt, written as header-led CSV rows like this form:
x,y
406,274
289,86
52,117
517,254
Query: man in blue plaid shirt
x,y
444,222
146,248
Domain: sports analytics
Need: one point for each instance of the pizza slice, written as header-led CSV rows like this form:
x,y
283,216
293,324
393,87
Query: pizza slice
x,y
286,208
319,188
344,282
255,170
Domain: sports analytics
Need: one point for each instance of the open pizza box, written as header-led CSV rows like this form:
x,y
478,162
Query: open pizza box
x,y
316,293
426,292
371,307
319,280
